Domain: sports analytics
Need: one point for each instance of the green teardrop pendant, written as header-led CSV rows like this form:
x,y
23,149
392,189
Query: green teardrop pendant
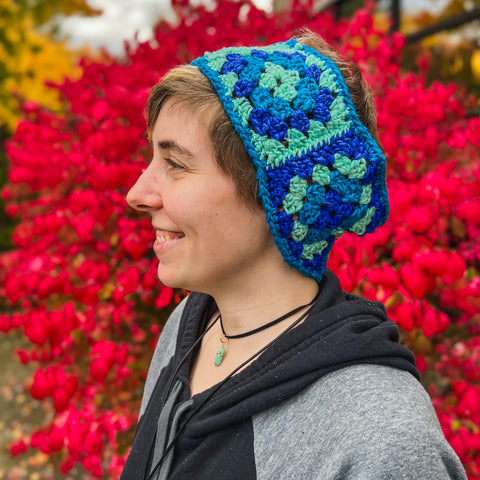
x,y
219,356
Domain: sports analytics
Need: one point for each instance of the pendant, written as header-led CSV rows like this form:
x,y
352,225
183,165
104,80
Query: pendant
x,y
220,352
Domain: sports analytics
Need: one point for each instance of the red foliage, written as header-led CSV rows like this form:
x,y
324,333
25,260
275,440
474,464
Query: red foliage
x,y
82,281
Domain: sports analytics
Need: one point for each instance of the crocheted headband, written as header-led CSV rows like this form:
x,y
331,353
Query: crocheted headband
x,y
320,173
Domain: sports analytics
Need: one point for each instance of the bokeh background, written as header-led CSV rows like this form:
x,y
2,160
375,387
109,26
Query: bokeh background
x,y
80,305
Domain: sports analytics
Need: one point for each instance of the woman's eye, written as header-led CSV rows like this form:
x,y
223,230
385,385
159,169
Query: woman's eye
x,y
173,165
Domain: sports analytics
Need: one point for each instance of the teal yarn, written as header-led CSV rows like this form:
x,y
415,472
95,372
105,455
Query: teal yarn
x,y
319,171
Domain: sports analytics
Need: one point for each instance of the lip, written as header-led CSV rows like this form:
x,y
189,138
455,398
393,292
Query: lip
x,y
166,239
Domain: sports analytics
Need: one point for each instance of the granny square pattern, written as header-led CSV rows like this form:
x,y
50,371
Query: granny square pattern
x,y
320,172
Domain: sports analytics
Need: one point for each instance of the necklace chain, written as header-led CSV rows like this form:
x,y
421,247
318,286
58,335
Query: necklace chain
x,y
220,355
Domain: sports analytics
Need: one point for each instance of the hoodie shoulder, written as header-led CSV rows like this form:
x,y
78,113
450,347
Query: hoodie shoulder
x,y
359,422
164,351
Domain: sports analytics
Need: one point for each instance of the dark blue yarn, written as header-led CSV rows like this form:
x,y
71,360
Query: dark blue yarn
x,y
369,176
296,248
380,217
244,87
278,129
318,262
313,72
344,211
236,63
260,120
280,177
323,101
259,54
300,121
285,224
342,144
358,212
358,149
323,155
321,114
301,165
299,55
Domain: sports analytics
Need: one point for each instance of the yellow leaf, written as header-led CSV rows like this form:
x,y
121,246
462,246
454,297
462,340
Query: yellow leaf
x,y
475,64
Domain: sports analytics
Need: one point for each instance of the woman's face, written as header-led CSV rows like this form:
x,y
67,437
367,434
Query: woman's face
x,y
205,235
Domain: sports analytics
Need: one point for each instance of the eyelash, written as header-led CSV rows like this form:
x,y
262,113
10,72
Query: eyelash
x,y
173,165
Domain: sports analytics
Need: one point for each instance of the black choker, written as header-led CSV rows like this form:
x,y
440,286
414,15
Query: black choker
x,y
224,338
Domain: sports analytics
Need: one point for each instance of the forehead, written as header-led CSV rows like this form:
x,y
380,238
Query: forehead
x,y
178,106
181,120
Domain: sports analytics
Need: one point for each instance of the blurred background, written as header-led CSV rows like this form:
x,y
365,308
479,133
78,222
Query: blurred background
x,y
42,42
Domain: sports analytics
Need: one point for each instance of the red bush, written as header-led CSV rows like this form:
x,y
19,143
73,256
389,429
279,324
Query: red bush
x,y
81,282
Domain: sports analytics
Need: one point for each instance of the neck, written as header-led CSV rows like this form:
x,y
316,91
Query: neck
x,y
247,305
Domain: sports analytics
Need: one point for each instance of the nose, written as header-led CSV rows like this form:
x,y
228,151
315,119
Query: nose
x,y
145,196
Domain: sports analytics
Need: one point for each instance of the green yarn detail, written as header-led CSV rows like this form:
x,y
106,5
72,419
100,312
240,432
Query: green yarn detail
x,y
350,168
313,60
229,80
293,201
328,79
309,250
299,231
214,56
338,232
287,92
274,48
218,58
217,63
296,140
321,175
243,107
338,113
291,77
275,153
366,195
320,134
267,81
271,152
360,226
276,71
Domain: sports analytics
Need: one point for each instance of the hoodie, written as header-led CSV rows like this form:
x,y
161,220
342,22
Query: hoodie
x,y
337,397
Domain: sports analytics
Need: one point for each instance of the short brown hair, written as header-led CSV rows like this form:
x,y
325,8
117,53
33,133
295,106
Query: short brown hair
x,y
186,85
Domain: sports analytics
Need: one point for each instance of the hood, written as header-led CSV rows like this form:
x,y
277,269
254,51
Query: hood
x,y
341,330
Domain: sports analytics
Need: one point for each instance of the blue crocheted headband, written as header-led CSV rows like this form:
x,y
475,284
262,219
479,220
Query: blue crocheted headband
x,y
320,173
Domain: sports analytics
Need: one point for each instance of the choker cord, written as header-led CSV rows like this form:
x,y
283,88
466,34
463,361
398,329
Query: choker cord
x,y
220,355
270,324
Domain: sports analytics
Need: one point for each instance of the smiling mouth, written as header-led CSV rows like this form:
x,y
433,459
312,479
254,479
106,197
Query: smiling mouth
x,y
165,236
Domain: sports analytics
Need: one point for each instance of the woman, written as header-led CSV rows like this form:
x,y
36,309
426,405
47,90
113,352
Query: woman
x,y
261,158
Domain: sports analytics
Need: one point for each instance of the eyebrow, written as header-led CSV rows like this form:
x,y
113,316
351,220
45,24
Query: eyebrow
x,y
175,147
